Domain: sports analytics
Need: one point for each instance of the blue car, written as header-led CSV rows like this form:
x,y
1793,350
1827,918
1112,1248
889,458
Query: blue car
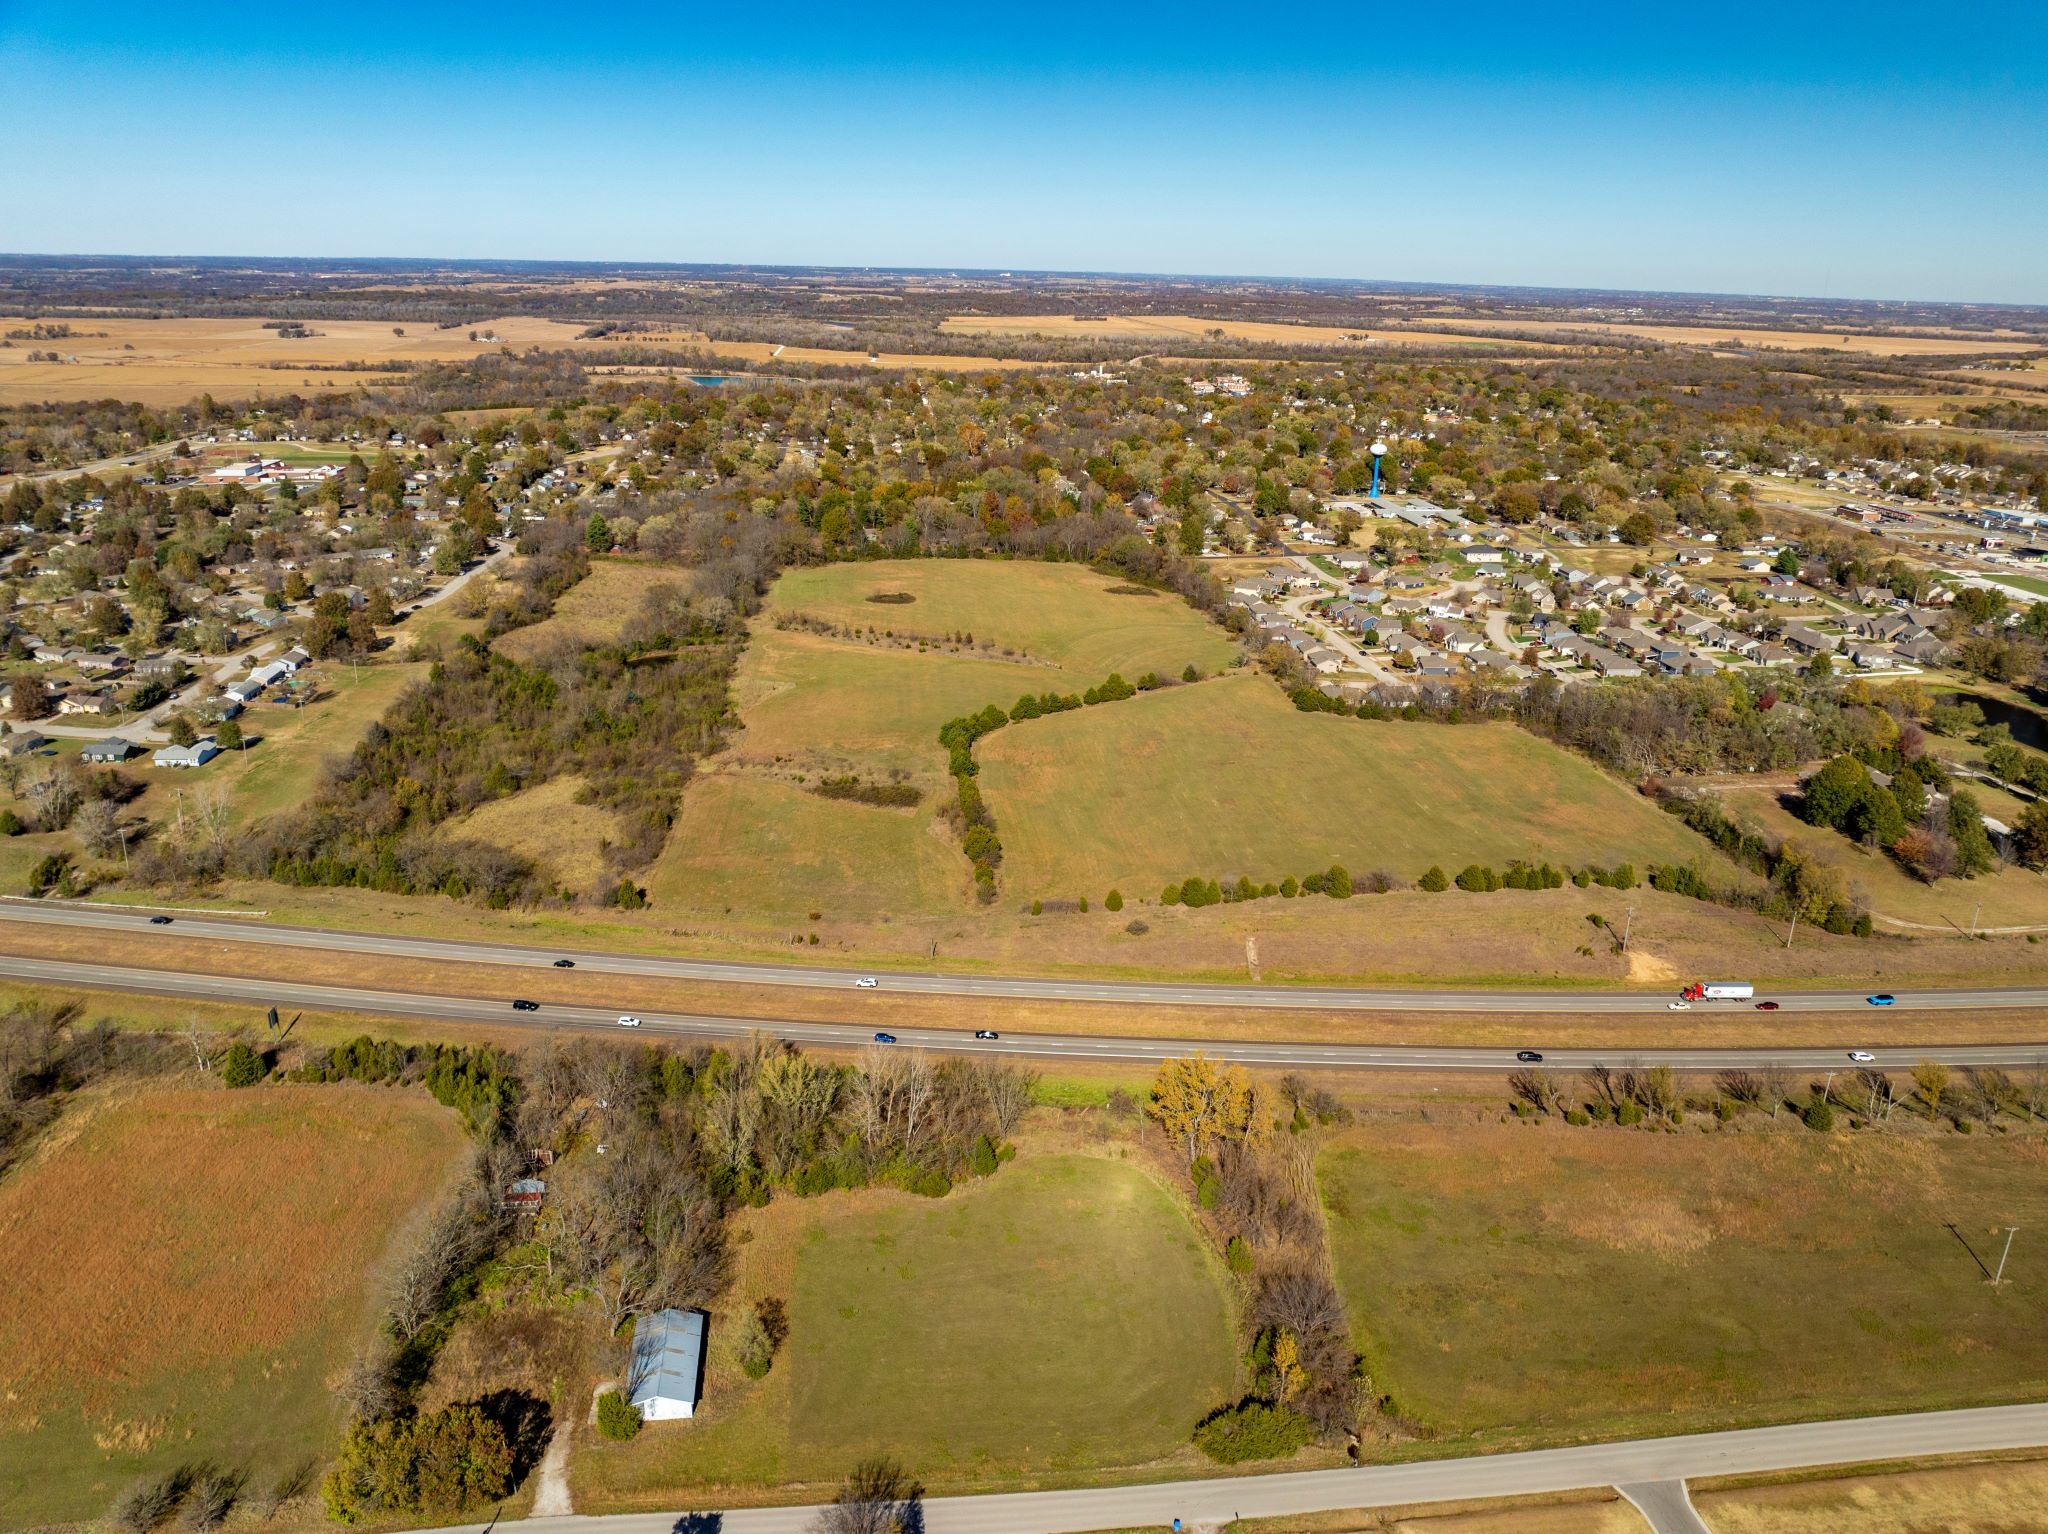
x,y
1881,999
885,1038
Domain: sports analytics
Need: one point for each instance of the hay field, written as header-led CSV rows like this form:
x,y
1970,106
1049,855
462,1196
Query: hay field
x,y
1516,1284
1963,1499
546,824
813,705
1862,344
187,1266
595,610
1062,1315
1228,778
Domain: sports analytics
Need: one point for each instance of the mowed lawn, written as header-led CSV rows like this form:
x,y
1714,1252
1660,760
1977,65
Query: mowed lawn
x,y
1512,1284
1060,1316
1227,777
186,1268
1066,615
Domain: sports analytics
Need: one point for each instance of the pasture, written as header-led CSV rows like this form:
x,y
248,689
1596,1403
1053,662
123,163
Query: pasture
x,y
1060,1316
546,824
1515,1284
1228,778
187,1267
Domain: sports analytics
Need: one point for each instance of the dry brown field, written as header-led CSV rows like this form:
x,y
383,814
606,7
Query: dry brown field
x,y
187,1266
1746,337
1181,327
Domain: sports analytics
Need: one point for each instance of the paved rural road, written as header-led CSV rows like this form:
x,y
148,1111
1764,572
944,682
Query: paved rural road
x,y
287,995
135,925
1666,1507
1635,1465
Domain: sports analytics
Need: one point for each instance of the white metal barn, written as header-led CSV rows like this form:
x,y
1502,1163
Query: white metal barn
x,y
667,1368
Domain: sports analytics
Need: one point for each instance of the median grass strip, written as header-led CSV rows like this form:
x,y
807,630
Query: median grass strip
x,y
1516,1286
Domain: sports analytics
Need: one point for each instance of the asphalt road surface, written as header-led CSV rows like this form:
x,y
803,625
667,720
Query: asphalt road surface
x,y
287,995
135,925
1210,1503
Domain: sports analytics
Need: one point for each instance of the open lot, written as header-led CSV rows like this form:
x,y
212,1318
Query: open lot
x,y
186,1268
1061,1316
546,824
594,611
1228,778
1513,1284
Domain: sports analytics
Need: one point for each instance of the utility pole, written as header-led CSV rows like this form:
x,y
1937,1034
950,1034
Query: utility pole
x,y
1793,928
1628,923
1979,911
1999,1277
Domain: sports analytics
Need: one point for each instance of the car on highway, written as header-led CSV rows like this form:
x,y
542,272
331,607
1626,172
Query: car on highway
x,y
1767,1006
159,921
629,1022
1882,999
1678,1006
865,983
986,1033
885,1038
1528,1056
565,964
1861,1056
523,1005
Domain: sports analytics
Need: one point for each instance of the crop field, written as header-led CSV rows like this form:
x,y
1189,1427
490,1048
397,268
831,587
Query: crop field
x,y
595,610
1181,327
1061,1316
1513,1284
1720,336
1228,778
1997,1498
186,1268
814,705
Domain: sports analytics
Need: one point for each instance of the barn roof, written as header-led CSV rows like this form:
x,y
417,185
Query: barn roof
x,y
668,1357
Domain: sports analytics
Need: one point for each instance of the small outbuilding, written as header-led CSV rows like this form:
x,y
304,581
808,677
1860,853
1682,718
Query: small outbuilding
x,y
666,1373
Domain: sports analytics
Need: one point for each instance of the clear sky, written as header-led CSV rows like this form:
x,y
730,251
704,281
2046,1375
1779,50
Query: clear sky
x,y
1868,150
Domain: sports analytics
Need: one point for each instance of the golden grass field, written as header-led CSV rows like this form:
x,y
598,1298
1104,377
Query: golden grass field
x,y
595,610
546,824
187,1267
1454,331
1965,1499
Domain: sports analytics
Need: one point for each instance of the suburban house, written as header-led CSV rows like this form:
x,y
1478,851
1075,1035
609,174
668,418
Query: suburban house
x,y
1808,641
22,743
245,691
665,1375
198,754
112,749
1323,658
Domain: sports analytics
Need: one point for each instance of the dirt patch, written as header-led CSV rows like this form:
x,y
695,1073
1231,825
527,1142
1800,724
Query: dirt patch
x,y
1645,968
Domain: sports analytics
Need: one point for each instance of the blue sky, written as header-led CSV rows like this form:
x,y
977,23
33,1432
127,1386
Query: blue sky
x,y
1865,151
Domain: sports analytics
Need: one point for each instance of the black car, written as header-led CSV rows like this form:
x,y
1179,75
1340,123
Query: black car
x,y
1528,1056
523,1005
986,1033
885,1038
159,921
565,964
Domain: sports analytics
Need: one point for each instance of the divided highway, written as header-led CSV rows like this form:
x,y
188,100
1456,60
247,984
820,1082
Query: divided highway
x,y
286,995
135,926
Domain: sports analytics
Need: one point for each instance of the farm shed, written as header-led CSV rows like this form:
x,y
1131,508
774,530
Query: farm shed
x,y
667,1368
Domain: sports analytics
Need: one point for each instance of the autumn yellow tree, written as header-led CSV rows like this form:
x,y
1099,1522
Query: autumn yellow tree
x,y
1200,1101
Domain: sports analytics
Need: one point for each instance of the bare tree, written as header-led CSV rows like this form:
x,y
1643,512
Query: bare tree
x,y
1777,1081
99,827
1536,1088
1744,1087
877,1497
1876,1087
1008,1089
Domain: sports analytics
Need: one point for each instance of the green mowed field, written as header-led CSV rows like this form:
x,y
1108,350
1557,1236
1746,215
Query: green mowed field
x,y
1515,1284
187,1268
1062,1315
1228,778
1062,614
763,845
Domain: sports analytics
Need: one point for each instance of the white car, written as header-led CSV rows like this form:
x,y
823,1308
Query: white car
x,y
629,1022
1678,1006
865,983
1861,1056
